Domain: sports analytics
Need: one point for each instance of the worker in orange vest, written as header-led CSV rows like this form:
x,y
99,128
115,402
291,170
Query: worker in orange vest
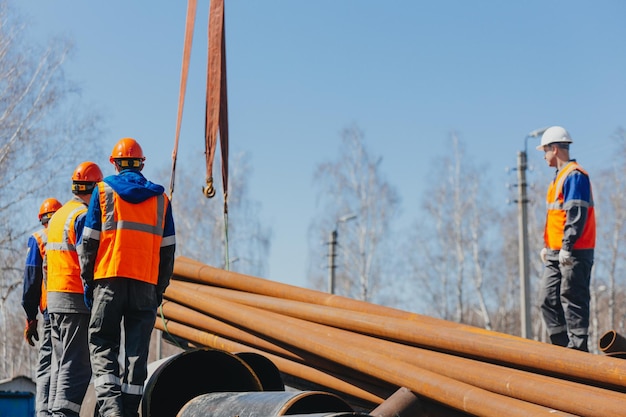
x,y
570,238
71,370
34,300
127,260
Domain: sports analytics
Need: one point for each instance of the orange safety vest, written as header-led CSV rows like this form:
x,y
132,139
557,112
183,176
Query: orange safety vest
x,y
41,236
62,259
131,236
556,217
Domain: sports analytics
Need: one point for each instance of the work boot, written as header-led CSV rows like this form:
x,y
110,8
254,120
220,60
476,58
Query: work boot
x,y
560,339
578,342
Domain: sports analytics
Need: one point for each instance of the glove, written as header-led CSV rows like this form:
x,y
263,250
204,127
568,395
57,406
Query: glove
x,y
543,254
565,257
88,295
30,331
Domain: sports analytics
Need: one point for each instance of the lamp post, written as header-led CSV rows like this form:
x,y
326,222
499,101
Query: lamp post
x,y
522,201
332,251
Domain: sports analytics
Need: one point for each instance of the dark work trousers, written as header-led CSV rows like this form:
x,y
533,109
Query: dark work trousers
x,y
71,370
44,367
565,301
133,303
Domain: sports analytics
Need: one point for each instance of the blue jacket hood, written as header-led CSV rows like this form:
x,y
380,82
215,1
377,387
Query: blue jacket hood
x,y
133,187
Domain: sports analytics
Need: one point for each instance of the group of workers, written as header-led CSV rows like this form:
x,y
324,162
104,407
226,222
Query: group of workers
x,y
97,271
109,257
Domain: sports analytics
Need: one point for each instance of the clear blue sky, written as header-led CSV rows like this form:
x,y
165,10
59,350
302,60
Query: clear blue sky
x,y
406,72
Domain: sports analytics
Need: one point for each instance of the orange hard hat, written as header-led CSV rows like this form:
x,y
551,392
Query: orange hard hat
x,y
48,207
85,176
127,148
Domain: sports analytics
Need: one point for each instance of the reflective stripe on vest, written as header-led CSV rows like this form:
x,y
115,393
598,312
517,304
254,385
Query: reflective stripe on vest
x,y
557,215
131,236
61,256
41,236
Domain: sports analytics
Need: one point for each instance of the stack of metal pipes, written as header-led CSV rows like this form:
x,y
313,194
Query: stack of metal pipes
x,y
366,352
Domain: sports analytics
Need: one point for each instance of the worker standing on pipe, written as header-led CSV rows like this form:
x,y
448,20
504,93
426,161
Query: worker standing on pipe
x,y
34,299
69,317
127,259
570,236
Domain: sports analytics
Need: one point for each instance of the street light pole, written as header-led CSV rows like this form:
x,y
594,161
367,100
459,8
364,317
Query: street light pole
x,y
332,251
522,201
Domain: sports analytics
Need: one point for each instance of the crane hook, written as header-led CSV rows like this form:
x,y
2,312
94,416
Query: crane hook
x,y
209,191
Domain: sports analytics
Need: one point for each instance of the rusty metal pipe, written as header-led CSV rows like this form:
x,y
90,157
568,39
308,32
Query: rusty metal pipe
x,y
402,403
612,343
191,270
521,353
564,395
303,335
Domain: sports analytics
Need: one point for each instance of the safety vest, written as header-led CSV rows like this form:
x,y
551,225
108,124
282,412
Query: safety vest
x,y
556,217
63,266
131,236
41,236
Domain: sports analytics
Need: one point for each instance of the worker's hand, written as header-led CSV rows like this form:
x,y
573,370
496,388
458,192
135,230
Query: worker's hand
x,y
30,332
543,255
565,257
88,295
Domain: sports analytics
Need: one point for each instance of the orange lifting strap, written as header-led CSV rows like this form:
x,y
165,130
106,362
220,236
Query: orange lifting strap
x,y
216,96
189,25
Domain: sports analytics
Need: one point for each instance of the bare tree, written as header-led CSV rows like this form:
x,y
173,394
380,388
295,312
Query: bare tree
x,y
42,120
354,185
200,231
450,255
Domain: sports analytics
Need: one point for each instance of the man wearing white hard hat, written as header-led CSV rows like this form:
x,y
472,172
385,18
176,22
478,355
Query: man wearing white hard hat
x,y
570,237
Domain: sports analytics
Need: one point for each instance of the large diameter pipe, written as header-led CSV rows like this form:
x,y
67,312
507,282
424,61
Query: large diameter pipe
x,y
540,389
456,394
175,380
521,353
266,404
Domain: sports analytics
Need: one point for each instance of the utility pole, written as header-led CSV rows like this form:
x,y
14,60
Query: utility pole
x,y
332,251
332,254
522,204
523,245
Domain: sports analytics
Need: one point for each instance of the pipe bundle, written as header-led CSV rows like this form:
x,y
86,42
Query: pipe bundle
x,y
367,351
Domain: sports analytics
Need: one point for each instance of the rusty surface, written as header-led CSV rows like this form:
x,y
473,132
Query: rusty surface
x,y
536,388
402,403
474,371
359,354
461,340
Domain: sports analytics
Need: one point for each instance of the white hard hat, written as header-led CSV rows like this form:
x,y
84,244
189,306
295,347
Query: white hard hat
x,y
554,134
